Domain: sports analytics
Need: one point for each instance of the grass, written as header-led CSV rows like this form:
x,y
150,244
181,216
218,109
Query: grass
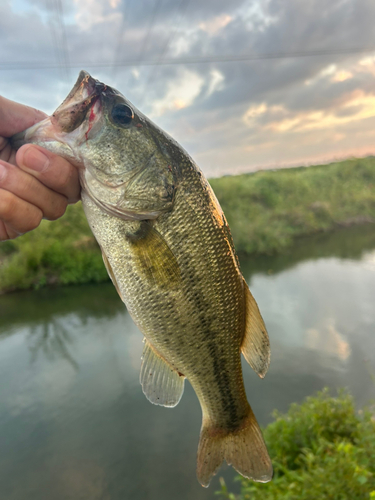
x,y
322,449
62,252
266,211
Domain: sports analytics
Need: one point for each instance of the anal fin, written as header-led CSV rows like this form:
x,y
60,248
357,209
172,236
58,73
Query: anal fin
x,y
255,345
161,384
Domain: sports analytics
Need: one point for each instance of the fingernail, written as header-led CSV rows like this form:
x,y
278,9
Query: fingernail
x,y
3,172
33,158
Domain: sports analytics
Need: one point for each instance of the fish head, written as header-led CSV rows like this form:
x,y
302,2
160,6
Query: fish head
x,y
125,161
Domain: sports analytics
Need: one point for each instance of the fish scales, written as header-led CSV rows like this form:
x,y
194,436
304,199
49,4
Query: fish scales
x,y
210,303
168,250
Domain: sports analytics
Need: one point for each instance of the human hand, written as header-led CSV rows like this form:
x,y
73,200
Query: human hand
x,y
34,183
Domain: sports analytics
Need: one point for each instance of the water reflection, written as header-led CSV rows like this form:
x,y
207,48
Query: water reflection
x,y
52,339
329,340
349,243
74,422
99,301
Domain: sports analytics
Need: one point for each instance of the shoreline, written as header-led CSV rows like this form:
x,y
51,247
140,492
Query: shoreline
x,y
267,212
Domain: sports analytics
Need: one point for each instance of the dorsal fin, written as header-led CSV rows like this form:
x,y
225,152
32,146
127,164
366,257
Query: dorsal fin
x,y
161,384
255,345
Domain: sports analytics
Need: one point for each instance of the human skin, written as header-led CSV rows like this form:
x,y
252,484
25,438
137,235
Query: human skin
x,y
34,183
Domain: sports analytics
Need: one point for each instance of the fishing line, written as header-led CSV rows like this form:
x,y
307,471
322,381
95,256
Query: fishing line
x,y
120,37
181,12
189,60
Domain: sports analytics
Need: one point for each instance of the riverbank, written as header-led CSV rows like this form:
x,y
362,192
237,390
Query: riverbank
x,y
266,211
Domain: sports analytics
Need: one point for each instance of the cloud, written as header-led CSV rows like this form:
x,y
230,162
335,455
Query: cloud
x,y
180,93
89,13
231,116
216,82
213,26
358,107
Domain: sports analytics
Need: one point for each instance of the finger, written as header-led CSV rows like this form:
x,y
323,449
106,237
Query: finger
x,y
17,213
4,235
6,152
26,187
15,117
6,232
52,170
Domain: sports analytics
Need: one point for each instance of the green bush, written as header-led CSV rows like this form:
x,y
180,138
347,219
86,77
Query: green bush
x,y
321,449
60,252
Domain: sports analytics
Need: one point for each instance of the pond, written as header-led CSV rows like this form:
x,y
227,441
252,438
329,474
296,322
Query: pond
x,y
74,423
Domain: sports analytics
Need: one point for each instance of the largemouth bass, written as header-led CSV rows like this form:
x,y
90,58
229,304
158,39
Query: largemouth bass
x,y
169,252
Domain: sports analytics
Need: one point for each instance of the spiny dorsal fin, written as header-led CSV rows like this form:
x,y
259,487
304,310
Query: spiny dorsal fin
x,y
255,345
161,384
155,260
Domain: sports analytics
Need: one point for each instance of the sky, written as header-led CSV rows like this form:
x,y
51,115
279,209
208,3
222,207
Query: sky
x,y
242,85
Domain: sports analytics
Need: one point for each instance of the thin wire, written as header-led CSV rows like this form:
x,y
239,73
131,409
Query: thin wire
x,y
64,42
55,39
157,5
189,60
179,17
120,38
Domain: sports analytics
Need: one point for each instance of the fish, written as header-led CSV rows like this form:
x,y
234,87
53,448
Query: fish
x,y
169,252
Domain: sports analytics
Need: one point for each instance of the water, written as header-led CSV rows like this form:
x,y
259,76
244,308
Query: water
x,y
74,423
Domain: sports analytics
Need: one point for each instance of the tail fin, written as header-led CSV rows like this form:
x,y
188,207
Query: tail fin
x,y
244,449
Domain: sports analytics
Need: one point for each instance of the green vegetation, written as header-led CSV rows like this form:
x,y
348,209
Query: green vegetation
x,y
266,212
320,449
61,252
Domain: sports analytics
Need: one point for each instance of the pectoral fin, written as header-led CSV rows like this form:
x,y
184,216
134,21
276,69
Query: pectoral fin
x,y
111,274
161,384
255,345
155,261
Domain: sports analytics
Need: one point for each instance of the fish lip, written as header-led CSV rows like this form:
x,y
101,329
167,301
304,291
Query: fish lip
x,y
86,92
85,85
92,86
89,87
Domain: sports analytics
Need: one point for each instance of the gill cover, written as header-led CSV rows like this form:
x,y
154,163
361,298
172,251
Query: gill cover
x,y
145,195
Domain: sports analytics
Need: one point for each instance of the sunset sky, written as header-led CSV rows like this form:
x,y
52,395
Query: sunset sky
x,y
242,85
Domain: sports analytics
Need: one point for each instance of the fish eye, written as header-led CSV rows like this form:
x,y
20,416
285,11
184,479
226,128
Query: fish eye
x,y
122,114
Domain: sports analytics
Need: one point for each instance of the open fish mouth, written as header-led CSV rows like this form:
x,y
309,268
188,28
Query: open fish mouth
x,y
83,98
76,116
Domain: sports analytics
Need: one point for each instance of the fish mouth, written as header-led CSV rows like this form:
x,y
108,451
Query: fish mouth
x,y
73,120
84,99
